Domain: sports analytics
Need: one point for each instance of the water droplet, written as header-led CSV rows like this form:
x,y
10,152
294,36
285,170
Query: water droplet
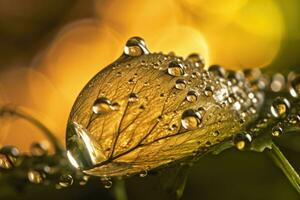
x,y
242,140
35,176
295,87
175,68
135,46
133,97
180,84
191,119
115,106
277,131
196,60
38,149
143,174
277,83
217,70
216,133
280,107
192,96
101,105
293,118
5,163
106,182
82,149
8,157
66,180
208,91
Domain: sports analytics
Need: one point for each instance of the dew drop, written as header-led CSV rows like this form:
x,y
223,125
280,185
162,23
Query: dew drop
x,y
5,162
133,97
35,176
115,106
192,96
143,174
180,84
217,70
38,149
295,87
277,131
66,180
106,182
280,107
208,91
196,60
293,118
8,157
242,140
101,105
175,68
135,46
190,119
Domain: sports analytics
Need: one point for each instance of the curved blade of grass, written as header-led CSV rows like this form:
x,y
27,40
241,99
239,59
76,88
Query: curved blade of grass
x,y
14,111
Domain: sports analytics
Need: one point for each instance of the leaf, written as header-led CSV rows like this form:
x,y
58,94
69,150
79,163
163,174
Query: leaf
x,y
146,111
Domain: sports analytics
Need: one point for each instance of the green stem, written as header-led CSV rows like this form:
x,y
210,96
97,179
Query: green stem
x,y
51,137
281,161
119,190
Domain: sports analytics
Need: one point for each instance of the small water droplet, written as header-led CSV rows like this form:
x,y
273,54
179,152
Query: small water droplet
x,y
143,174
8,157
35,176
101,105
295,87
175,68
180,84
106,182
135,46
242,140
192,96
217,70
216,133
38,149
133,97
191,119
277,131
115,106
66,180
280,107
196,60
208,91
293,118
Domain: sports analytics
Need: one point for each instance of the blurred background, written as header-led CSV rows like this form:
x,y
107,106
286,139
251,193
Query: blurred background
x,y
49,50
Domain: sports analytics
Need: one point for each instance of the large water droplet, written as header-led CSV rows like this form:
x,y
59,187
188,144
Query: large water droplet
x,y
175,68
65,180
295,87
191,119
280,107
82,149
180,84
135,46
101,105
